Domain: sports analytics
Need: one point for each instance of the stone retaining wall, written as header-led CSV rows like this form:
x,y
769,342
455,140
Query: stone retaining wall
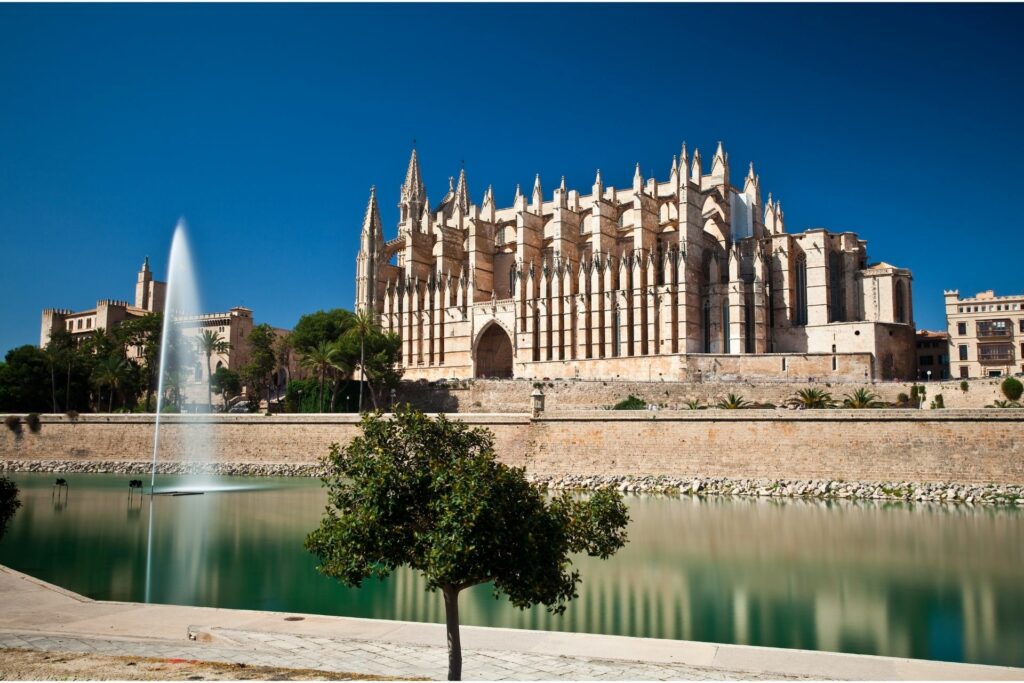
x,y
968,447
513,396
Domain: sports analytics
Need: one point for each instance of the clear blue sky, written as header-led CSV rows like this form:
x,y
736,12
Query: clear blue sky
x,y
265,126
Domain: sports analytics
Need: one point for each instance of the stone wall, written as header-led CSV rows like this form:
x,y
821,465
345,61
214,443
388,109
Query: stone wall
x,y
864,445
513,396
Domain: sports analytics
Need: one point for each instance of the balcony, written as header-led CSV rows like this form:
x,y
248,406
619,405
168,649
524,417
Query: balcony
x,y
994,329
995,353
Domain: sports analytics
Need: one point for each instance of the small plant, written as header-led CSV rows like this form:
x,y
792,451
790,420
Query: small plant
x,y
13,423
1004,403
732,402
861,398
902,400
694,404
938,403
33,422
631,403
811,398
1012,388
72,415
964,386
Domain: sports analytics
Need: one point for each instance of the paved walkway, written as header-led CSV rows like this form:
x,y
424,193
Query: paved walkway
x,y
41,616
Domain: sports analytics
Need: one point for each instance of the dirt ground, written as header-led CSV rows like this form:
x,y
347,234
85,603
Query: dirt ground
x,y
38,665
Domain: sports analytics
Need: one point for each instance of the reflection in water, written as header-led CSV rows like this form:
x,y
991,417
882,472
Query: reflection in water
x,y
929,581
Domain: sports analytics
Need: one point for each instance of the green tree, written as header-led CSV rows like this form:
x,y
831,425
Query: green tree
x,y
380,354
208,343
319,358
144,334
429,494
1012,388
262,362
25,380
322,326
861,398
111,372
812,399
9,502
226,384
364,324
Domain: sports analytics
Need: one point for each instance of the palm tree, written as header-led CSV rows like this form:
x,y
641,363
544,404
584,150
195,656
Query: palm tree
x,y
341,367
812,398
862,398
1003,404
208,343
694,404
109,372
733,402
319,358
364,324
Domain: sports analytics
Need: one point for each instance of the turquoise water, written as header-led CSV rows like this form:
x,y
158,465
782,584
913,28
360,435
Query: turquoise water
x,y
925,581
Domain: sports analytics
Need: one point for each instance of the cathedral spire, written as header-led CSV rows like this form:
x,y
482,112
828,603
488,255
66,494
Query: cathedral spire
x,y
537,202
697,171
371,219
414,193
462,192
720,166
638,179
598,185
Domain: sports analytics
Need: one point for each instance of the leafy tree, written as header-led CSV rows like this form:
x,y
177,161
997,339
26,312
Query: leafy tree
x,y
144,334
812,399
383,353
9,502
262,362
322,326
733,402
364,324
208,343
1012,388
25,380
861,398
226,384
429,494
631,402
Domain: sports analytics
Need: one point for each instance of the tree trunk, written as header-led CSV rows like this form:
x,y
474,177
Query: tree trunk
x,y
451,622
53,387
362,366
110,400
209,380
67,390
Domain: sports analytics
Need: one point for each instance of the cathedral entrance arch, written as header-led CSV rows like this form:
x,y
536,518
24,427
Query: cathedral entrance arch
x,y
493,354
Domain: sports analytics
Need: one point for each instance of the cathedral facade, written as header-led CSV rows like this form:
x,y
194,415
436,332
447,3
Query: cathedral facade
x,y
688,278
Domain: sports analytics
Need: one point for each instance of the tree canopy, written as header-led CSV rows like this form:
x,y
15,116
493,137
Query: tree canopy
x,y
430,494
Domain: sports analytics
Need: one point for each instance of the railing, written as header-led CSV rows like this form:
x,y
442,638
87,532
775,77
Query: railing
x,y
995,353
993,328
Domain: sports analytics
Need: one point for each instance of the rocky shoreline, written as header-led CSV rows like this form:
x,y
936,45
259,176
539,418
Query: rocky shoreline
x,y
954,493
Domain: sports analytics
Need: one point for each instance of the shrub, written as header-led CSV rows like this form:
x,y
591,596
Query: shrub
x,y
733,402
1012,388
902,400
964,385
694,404
938,403
812,398
72,415
631,403
33,422
860,399
13,423
1003,404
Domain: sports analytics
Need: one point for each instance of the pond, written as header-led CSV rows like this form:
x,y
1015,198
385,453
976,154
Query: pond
x,y
924,581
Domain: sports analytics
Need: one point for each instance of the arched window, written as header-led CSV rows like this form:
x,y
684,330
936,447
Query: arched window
x,y
901,302
836,288
800,287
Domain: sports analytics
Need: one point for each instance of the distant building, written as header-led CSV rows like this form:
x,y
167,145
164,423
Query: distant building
x,y
932,355
986,334
690,277
108,313
233,326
